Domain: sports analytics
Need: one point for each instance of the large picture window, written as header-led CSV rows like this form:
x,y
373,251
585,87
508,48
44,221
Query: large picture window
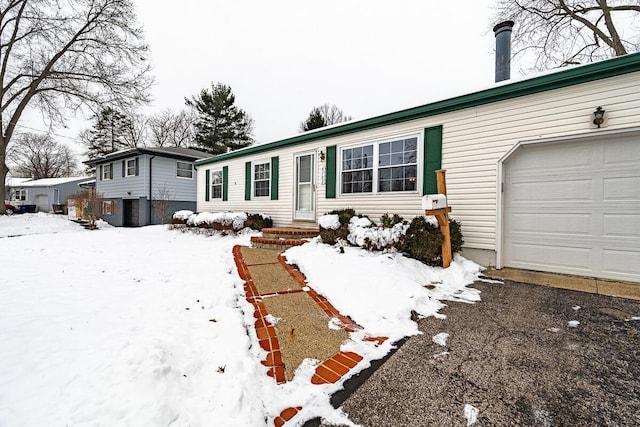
x,y
216,184
261,179
385,166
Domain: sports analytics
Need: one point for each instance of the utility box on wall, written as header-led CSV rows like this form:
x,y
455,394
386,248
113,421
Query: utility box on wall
x,y
434,201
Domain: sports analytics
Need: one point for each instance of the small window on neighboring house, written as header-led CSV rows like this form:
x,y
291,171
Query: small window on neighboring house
x,y
106,171
107,207
131,167
185,170
19,195
216,184
261,179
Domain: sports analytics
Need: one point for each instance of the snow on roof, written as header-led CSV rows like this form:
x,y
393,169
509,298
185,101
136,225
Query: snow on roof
x,y
14,182
48,182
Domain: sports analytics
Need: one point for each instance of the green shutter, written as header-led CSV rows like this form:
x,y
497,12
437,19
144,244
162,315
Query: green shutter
x,y
247,181
225,183
207,185
275,162
432,159
330,191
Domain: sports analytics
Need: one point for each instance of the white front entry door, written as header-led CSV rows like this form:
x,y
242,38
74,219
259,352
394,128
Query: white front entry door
x,y
305,187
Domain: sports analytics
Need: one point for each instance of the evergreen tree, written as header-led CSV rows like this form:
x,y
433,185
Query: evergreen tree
x,y
113,131
220,125
322,116
314,121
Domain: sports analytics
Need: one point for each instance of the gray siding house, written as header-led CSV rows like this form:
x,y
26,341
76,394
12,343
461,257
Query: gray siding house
x,y
44,193
141,185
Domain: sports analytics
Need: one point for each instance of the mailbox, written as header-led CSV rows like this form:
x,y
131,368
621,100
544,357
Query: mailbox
x,y
434,201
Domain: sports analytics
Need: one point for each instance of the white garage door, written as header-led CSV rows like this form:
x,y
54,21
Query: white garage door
x,y
574,207
42,201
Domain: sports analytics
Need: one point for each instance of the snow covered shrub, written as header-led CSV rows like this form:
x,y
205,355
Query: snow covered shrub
x,y
219,220
423,240
331,235
181,217
363,233
258,221
390,221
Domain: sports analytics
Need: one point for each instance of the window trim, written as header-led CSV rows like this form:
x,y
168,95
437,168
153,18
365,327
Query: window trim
x,y
376,166
107,169
253,180
178,169
23,195
211,173
126,167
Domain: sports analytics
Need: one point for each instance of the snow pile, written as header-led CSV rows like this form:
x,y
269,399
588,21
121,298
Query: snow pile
x,y
380,290
36,223
573,323
363,233
329,222
226,219
441,338
471,414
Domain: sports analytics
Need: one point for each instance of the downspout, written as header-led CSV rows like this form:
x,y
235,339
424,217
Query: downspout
x,y
151,188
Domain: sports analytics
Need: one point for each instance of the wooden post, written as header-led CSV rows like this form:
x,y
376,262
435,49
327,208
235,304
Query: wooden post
x,y
442,215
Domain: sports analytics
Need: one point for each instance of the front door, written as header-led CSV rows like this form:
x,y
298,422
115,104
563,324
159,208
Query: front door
x,y
305,188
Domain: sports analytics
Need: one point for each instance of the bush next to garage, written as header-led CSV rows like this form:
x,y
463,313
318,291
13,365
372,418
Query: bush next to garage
x,y
420,239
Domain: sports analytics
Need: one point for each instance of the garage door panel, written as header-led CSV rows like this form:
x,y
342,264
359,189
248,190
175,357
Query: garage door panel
x,y
625,226
625,151
574,207
550,223
540,257
625,188
621,263
552,190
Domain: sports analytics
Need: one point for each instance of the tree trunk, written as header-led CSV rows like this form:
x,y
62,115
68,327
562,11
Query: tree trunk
x,y
4,170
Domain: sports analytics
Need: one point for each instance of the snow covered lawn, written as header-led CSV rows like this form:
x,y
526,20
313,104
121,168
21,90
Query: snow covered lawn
x,y
149,326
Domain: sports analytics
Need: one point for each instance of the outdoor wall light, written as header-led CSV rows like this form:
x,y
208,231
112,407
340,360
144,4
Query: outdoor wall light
x,y
599,117
129,193
322,157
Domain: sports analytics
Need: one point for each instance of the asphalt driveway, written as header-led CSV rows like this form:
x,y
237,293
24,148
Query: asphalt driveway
x,y
519,357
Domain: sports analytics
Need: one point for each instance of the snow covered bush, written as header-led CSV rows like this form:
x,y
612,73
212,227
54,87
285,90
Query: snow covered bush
x,y
363,233
258,221
219,221
333,232
421,239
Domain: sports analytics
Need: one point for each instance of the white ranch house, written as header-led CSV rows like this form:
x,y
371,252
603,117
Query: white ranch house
x,y
534,181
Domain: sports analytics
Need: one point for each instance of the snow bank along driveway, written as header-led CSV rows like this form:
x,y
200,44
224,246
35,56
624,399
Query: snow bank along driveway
x,y
149,326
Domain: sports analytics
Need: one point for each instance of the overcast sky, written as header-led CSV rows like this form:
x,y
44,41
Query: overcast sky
x,y
283,57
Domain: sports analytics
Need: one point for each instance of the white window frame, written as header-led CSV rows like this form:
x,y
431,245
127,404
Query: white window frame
x,y
106,171
253,179
212,173
376,164
130,164
19,195
178,169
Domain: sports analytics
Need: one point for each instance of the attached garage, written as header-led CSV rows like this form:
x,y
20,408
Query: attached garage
x,y
573,206
42,202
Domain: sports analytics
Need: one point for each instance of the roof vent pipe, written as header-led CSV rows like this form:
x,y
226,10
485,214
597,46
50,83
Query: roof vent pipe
x,y
503,50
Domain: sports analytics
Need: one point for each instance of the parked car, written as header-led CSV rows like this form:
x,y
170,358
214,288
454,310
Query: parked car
x,y
10,209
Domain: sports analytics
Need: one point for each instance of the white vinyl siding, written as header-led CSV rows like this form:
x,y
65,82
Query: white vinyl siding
x,y
474,141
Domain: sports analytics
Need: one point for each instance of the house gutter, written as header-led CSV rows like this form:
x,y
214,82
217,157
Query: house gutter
x,y
151,188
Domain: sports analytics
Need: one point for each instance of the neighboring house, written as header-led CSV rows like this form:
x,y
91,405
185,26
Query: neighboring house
x,y
534,181
43,194
10,185
139,185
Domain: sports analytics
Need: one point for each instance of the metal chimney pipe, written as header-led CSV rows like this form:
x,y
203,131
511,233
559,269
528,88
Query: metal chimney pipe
x,y
503,50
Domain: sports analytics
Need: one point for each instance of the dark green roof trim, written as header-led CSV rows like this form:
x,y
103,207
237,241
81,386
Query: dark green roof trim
x,y
597,71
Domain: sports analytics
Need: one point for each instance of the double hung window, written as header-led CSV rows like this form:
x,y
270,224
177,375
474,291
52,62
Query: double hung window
x,y
261,179
184,170
216,184
386,166
130,167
